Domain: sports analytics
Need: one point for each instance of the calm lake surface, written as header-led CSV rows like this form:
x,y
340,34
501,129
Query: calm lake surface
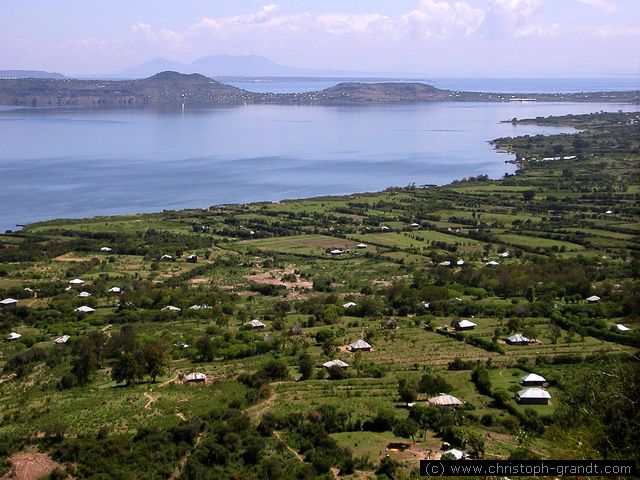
x,y
81,163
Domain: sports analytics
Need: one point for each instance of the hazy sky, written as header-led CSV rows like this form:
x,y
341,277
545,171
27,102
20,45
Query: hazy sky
x,y
429,37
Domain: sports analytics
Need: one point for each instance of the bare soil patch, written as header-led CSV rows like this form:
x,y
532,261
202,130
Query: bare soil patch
x,y
30,465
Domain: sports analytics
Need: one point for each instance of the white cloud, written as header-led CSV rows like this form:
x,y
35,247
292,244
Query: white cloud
x,y
602,5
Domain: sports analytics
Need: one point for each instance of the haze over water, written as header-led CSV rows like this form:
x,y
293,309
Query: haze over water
x,y
80,163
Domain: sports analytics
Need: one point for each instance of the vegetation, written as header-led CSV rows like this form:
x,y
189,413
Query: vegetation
x,y
116,401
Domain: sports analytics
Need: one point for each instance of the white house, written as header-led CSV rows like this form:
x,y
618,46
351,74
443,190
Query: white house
x,y
105,249
8,302
349,304
621,328
460,263
492,263
518,339
533,380
76,281
195,377
360,345
362,245
171,308
335,363
414,224
464,325
84,309
255,324
199,307
504,255
593,299
446,263
13,336
384,228
457,454
533,396
166,257
115,290
336,251
445,400
84,294
61,340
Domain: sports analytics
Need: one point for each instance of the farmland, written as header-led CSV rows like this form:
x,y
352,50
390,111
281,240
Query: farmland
x,y
398,268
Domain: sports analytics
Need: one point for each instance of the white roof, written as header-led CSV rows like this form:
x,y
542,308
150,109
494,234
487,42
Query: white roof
x,y
609,212
76,281
84,294
445,400
504,254
195,376
518,338
105,249
171,308
492,263
115,289
384,227
62,339
335,363
362,245
533,392
256,323
349,304
455,452
621,328
192,256
27,289
460,262
166,257
199,307
84,309
466,324
593,298
425,304
446,263
336,251
13,336
533,377
414,224
360,345
9,301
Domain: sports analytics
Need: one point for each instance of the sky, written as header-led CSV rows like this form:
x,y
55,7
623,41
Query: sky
x,y
421,37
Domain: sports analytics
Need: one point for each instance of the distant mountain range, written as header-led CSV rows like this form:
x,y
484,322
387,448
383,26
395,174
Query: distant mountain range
x,y
232,66
30,74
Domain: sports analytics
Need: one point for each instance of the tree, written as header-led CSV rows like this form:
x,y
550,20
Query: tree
x,y
406,428
480,377
305,363
407,390
528,195
155,358
127,368
205,348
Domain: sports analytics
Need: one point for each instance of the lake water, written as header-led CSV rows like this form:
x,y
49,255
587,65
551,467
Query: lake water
x,y
80,163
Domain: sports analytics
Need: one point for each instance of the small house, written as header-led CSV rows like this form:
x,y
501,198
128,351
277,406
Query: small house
x,y
460,263
62,340
391,324
192,259
195,377
533,396
446,263
335,364
349,304
533,380
593,299
362,245
384,228
360,346
492,263
504,255
445,400
464,325
336,251
256,324
166,258
13,336
454,452
171,308
84,294
202,306
76,281
517,339
84,309
115,290
8,303
105,249
621,328
415,225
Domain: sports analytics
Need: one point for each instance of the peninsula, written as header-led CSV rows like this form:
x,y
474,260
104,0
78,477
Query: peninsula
x,y
175,89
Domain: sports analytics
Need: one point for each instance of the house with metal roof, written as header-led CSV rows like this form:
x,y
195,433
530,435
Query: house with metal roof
x,y
533,380
537,396
445,400
335,363
361,346
518,339
464,325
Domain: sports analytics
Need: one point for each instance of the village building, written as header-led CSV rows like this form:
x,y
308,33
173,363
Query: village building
x,y
593,299
384,228
335,364
457,454
256,324
13,336
621,328
115,290
533,396
360,346
492,263
84,294
445,400
192,259
76,281
362,245
84,309
517,339
349,304
105,249
533,380
62,340
464,325
195,377
446,263
171,308
504,255
8,302
460,263
166,258
415,225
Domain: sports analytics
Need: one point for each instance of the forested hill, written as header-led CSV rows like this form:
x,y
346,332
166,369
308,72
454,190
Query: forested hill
x,y
175,89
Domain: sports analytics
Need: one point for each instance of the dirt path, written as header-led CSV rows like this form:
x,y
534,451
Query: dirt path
x,y
256,412
151,400
107,327
173,379
183,461
278,435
